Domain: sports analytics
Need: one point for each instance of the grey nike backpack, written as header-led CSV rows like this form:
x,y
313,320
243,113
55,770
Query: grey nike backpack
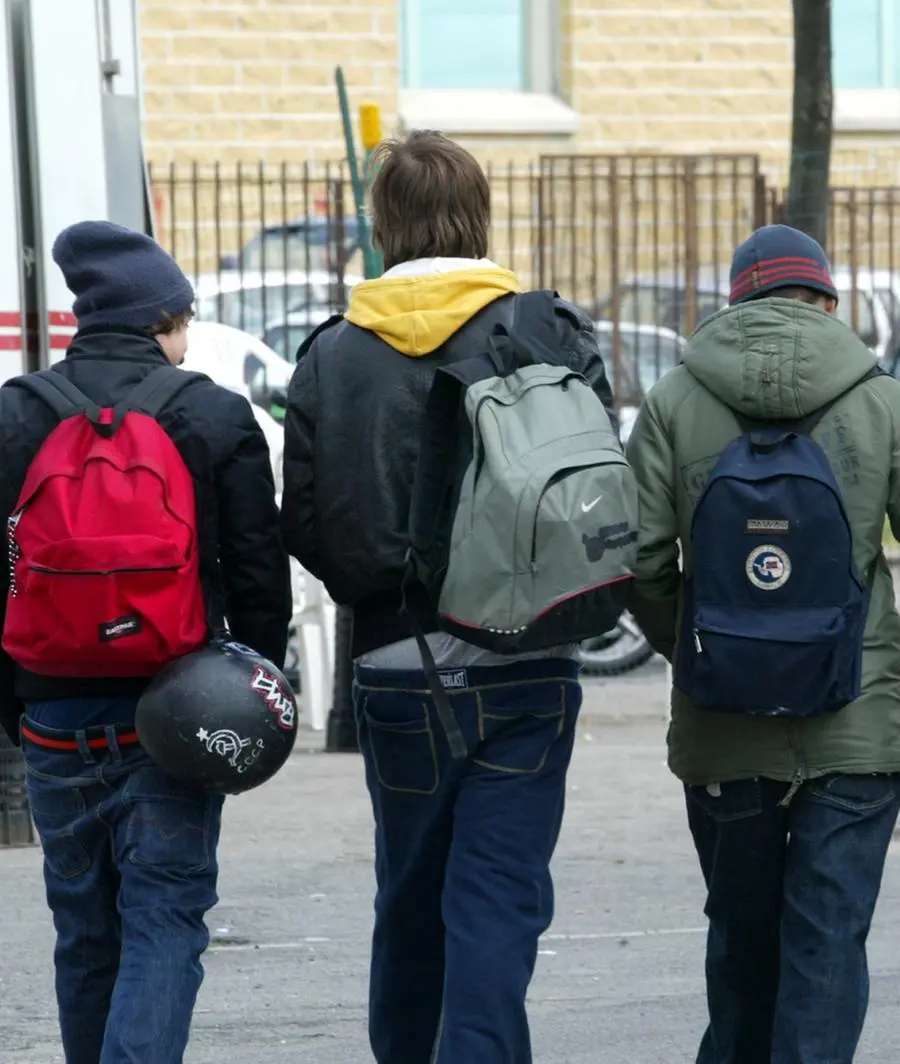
x,y
523,522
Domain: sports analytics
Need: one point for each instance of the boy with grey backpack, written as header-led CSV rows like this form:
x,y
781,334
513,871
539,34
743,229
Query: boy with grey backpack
x,y
452,474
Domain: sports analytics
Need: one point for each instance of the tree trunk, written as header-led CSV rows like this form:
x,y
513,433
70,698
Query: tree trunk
x,y
812,119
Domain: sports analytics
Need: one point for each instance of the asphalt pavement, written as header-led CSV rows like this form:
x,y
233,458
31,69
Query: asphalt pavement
x,y
620,976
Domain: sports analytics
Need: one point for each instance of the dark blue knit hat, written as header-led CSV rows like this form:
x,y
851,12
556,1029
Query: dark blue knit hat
x,y
119,276
778,256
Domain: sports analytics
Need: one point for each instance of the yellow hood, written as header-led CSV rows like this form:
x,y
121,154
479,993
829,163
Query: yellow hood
x,y
415,315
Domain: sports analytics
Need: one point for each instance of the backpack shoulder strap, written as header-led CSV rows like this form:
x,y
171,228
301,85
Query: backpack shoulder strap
x,y
534,324
58,393
158,389
526,335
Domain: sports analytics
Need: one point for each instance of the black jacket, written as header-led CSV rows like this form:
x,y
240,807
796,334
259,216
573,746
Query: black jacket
x,y
244,568
351,441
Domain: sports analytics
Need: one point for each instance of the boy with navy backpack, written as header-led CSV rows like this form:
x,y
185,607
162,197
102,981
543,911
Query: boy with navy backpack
x,y
770,457
140,514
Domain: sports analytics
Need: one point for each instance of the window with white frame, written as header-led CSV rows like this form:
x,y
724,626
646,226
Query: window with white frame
x,y
866,44
482,65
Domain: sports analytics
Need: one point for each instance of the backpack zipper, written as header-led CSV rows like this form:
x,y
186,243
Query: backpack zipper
x,y
698,646
14,552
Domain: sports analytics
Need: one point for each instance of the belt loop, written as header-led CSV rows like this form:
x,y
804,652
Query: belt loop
x,y
83,748
112,740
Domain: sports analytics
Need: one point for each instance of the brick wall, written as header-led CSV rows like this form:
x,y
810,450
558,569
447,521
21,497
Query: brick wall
x,y
252,80
229,80
713,74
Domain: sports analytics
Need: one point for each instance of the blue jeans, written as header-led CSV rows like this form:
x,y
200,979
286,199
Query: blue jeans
x,y
462,855
130,871
791,892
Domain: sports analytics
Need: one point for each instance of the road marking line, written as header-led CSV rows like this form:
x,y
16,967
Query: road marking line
x,y
649,932
586,937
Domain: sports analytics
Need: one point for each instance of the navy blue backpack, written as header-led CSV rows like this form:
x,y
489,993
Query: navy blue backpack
x,y
775,610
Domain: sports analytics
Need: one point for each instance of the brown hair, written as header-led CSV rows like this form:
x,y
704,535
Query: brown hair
x,y
171,323
430,198
804,295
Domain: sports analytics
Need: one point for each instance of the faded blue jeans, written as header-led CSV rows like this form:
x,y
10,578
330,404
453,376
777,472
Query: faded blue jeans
x,y
130,871
792,889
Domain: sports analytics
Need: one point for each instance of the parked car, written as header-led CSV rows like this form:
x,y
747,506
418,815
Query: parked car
x,y
243,363
884,284
285,335
647,352
305,244
248,301
230,357
662,300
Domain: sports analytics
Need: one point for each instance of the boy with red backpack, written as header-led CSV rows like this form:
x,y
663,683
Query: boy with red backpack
x,y
141,516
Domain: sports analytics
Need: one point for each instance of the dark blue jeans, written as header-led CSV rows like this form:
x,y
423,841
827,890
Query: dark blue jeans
x,y
462,855
791,892
130,870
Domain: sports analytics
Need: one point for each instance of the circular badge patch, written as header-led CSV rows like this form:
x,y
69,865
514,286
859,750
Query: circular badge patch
x,y
768,567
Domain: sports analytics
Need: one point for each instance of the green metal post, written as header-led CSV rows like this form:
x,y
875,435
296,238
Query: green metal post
x,y
371,264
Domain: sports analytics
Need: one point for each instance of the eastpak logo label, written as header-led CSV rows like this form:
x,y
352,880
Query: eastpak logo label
x,y
454,680
119,628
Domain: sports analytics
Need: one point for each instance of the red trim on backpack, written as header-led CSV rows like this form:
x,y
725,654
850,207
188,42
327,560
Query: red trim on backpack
x,y
553,605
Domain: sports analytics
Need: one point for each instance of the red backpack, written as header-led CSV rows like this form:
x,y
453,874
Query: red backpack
x,y
103,546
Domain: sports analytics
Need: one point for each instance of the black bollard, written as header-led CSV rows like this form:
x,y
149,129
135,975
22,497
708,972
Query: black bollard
x,y
340,734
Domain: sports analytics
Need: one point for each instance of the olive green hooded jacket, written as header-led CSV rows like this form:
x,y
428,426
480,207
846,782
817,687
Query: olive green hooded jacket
x,y
772,359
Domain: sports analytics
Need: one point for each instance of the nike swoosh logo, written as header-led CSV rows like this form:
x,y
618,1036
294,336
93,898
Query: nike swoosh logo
x,y
586,507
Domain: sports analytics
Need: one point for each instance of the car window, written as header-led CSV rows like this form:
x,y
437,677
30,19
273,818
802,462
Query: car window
x,y
312,249
656,356
645,358
252,366
646,304
891,303
286,339
665,305
251,309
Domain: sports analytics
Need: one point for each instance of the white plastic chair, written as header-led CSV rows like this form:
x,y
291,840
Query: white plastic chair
x,y
313,622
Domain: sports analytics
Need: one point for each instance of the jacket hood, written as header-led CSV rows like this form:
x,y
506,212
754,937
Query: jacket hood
x,y
418,306
776,359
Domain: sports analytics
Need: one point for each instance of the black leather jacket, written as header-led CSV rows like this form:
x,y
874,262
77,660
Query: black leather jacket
x,y
352,436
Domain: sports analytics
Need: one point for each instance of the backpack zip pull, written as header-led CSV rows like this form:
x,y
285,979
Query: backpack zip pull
x,y
697,644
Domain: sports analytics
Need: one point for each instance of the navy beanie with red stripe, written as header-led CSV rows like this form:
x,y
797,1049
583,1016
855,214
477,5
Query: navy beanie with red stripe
x,y
778,256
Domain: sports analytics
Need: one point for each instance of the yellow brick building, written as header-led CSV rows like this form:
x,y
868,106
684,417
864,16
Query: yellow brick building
x,y
253,80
